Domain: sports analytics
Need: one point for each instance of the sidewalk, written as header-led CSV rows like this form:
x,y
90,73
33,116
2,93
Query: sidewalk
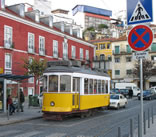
x,y
28,114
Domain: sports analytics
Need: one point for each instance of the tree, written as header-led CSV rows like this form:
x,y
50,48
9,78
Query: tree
x,y
102,26
35,67
91,31
147,66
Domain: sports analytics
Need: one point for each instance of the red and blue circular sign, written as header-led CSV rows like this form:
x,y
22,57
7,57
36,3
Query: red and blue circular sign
x,y
140,37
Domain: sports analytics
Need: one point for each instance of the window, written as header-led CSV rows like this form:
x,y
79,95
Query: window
x,y
95,86
86,86
87,54
99,86
128,48
117,72
108,46
41,45
117,60
65,49
109,57
8,61
31,42
153,58
96,46
117,49
102,46
65,83
90,86
102,57
31,91
103,87
73,52
128,71
55,49
153,47
81,53
128,59
53,83
8,36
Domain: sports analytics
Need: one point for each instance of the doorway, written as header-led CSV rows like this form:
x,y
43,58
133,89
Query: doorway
x,y
1,95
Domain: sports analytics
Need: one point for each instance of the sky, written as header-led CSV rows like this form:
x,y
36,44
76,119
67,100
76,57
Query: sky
x,y
114,5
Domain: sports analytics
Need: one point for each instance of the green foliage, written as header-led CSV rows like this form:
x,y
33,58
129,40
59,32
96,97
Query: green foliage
x,y
102,26
35,67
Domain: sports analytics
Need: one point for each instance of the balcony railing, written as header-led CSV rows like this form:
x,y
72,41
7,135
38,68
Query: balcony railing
x,y
8,45
42,52
31,50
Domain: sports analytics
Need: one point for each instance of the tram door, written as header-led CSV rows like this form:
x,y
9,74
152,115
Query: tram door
x,y
76,90
1,96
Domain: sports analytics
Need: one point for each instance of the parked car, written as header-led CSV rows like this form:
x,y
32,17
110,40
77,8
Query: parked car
x,y
148,95
124,92
117,101
115,91
153,88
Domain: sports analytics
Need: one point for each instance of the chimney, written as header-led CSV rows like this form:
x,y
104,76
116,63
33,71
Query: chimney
x,y
48,20
62,26
71,30
22,10
2,4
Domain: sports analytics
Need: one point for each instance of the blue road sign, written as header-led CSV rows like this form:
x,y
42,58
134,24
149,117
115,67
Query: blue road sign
x,y
139,11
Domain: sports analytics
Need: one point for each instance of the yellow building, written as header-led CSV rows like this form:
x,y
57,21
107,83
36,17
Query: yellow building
x,y
103,54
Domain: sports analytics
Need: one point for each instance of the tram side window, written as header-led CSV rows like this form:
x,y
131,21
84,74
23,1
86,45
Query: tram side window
x,y
95,86
44,80
53,83
103,86
99,86
107,86
65,83
86,86
90,86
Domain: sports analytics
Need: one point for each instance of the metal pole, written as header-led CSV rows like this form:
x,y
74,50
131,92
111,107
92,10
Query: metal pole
x,y
119,132
144,124
148,118
8,112
139,126
152,116
18,92
141,107
131,127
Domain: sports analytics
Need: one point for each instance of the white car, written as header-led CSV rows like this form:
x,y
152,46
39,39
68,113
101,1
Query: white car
x,y
117,101
153,89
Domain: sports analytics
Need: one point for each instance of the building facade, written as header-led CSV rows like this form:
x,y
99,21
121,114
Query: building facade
x,y
123,62
24,35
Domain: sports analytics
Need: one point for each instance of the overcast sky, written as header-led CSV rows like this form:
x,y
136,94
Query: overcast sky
x,y
114,5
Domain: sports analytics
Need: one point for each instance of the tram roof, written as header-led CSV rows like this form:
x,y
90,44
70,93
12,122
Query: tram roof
x,y
71,69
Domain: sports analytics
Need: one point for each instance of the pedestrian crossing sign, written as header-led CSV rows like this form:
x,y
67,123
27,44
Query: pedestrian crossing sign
x,y
139,11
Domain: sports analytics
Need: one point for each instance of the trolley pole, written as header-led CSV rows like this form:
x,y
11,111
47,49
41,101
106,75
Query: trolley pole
x,y
141,99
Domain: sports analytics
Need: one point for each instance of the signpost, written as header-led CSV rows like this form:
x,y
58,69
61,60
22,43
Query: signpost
x,y
140,37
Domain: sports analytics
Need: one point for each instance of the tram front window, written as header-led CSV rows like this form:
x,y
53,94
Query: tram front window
x,y
44,80
53,83
65,83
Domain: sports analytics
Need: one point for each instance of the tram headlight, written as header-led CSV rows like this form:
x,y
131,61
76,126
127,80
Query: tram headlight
x,y
52,103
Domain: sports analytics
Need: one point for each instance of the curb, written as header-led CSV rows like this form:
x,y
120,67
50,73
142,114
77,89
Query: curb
x,y
18,121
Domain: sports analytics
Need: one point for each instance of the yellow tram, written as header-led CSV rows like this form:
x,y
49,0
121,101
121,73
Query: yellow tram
x,y
70,89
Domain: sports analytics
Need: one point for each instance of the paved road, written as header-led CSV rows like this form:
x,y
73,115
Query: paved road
x,y
103,124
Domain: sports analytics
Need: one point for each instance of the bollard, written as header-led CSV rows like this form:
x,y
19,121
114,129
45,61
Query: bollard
x,y
119,132
139,126
152,116
148,118
8,112
131,127
144,124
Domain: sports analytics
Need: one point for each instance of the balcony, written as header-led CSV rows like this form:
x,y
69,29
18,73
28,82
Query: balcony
x,y
42,52
8,45
121,52
31,50
55,54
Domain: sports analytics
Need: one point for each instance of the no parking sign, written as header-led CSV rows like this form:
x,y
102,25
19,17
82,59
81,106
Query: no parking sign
x,y
140,38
